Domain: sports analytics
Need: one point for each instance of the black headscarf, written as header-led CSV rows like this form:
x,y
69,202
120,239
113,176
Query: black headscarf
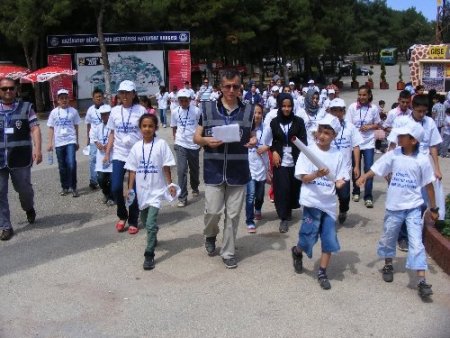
x,y
281,117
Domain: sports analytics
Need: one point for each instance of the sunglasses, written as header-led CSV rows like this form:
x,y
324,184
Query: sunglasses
x,y
228,87
5,89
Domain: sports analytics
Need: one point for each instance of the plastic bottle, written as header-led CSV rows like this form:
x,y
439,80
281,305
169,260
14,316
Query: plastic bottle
x,y
130,198
50,157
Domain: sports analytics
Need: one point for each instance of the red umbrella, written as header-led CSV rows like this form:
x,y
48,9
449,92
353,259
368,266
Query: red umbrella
x,y
47,73
12,71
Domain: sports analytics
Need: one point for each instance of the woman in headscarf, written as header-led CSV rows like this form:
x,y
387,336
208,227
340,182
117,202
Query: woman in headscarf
x,y
311,114
284,154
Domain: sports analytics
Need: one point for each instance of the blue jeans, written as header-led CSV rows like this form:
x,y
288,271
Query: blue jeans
x,y
316,222
67,165
117,176
162,116
393,220
254,199
366,155
344,197
403,235
187,158
92,161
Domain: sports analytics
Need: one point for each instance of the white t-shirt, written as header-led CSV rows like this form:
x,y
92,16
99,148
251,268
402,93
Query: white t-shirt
x,y
393,114
409,175
301,101
258,163
363,115
321,192
214,96
446,129
150,181
162,100
64,120
173,101
431,137
287,159
124,122
269,117
271,102
311,122
100,133
92,117
186,121
348,138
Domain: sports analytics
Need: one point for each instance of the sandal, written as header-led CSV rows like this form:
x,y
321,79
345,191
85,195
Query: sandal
x,y
120,226
132,230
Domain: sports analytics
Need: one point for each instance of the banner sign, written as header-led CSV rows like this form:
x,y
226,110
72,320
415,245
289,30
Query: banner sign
x,y
438,52
63,81
179,68
145,69
145,38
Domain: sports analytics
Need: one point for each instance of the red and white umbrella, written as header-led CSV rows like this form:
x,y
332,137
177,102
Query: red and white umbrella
x,y
47,73
12,71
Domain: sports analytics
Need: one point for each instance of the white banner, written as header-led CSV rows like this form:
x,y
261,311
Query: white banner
x,y
145,69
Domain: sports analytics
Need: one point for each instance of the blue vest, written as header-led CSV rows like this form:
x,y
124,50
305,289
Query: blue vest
x,y
229,162
15,148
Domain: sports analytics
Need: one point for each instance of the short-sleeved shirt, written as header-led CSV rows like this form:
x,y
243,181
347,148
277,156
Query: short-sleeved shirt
x,y
409,175
100,133
363,115
8,108
162,100
173,101
148,160
124,122
186,121
311,122
348,138
258,164
93,117
393,114
63,121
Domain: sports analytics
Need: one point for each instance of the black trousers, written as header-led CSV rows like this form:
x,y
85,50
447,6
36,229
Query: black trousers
x,y
287,191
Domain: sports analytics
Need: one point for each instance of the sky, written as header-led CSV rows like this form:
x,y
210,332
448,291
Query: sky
x,y
427,7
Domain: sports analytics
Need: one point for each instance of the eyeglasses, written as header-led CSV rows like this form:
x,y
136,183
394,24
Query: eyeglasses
x,y
5,89
228,87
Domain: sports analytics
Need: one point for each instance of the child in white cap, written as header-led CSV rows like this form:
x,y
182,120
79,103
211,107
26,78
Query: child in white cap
x,y
409,170
318,197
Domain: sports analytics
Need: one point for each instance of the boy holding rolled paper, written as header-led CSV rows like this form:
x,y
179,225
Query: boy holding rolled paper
x,y
318,197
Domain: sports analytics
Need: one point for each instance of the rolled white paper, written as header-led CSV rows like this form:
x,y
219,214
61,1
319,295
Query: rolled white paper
x,y
313,158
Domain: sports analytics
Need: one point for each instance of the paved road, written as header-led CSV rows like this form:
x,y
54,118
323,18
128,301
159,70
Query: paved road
x,y
72,275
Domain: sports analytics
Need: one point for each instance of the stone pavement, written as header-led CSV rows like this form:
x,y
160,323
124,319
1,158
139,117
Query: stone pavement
x,y
72,275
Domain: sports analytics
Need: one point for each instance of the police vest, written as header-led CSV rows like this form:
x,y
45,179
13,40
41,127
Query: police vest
x,y
15,139
229,162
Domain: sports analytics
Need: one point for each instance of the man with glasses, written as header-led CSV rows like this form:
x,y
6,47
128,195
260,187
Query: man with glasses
x,y
226,169
19,131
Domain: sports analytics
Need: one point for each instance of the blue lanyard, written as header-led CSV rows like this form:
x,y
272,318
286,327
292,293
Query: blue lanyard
x,y
261,130
365,115
286,132
67,111
105,137
185,119
147,164
342,135
96,113
125,126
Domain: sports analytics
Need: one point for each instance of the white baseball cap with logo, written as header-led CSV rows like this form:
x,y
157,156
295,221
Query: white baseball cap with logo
x,y
337,103
127,86
183,93
413,128
106,108
330,120
62,92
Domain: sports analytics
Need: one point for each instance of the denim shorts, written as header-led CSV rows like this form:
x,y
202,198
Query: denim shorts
x,y
316,222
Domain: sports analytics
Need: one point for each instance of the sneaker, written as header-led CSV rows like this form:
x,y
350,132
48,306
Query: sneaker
x,y
424,289
298,260
284,227
149,263
324,282
75,193
342,217
403,245
195,193
368,204
164,126
6,234
93,186
388,273
110,203
64,192
31,216
377,151
230,263
258,215
355,198
251,228
210,245
181,204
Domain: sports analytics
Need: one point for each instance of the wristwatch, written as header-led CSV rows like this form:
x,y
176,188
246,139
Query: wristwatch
x,y
434,209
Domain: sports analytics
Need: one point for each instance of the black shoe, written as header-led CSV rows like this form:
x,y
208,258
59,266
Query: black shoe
x,y
75,193
424,289
284,227
324,282
149,263
93,186
31,216
403,245
230,263
342,217
388,273
298,260
6,234
64,192
210,245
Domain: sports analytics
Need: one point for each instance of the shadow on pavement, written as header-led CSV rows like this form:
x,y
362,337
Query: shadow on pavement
x,y
177,245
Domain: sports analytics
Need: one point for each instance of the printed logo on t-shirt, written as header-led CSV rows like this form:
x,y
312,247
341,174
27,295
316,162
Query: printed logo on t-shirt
x,y
403,180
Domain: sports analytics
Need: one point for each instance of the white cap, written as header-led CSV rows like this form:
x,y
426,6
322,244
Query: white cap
x,y
275,89
311,82
331,91
106,108
413,128
324,91
62,92
183,93
337,103
330,120
127,86
291,83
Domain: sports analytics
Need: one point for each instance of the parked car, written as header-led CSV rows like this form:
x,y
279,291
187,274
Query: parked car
x,y
346,70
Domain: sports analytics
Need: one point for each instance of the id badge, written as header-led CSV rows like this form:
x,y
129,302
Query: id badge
x,y
63,131
9,131
287,150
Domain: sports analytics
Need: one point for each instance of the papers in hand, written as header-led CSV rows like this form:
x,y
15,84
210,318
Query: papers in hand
x,y
227,134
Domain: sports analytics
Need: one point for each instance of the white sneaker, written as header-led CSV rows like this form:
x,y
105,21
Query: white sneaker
x,y
181,204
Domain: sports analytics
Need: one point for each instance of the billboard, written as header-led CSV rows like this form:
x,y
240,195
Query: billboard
x,y
145,69
63,81
179,67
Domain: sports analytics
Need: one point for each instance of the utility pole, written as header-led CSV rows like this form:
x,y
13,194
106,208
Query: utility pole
x,y
440,15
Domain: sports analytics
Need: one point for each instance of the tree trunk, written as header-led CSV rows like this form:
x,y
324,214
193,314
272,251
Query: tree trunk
x,y
31,59
105,59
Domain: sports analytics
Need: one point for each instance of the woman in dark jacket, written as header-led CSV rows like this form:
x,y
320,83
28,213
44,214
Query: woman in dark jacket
x,y
285,154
